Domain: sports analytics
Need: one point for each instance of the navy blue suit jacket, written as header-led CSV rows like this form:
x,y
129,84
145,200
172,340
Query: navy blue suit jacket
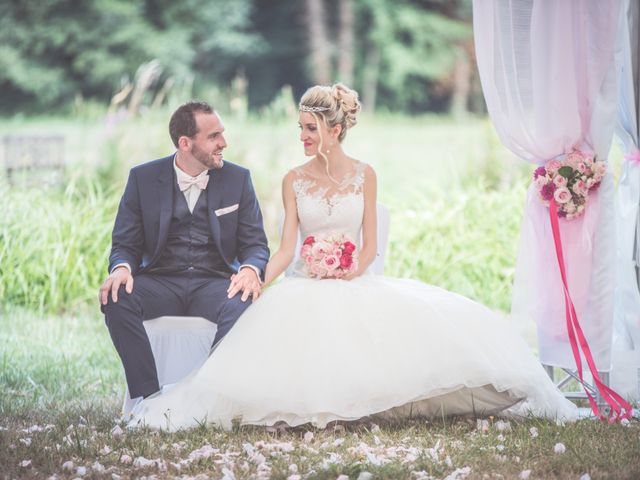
x,y
144,215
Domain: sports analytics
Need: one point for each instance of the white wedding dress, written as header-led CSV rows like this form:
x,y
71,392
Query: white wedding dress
x,y
323,350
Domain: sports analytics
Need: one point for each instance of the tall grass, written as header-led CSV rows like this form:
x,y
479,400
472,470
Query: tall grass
x,y
53,245
454,194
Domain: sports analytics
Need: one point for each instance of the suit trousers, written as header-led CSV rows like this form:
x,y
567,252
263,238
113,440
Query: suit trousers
x,y
194,295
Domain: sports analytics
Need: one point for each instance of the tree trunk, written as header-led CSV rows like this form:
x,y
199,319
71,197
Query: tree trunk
x,y
318,42
461,85
345,42
370,78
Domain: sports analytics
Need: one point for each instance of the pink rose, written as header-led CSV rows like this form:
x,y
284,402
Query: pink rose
x,y
552,166
346,260
309,240
318,270
308,259
331,262
599,169
318,249
348,247
562,195
559,181
580,188
582,168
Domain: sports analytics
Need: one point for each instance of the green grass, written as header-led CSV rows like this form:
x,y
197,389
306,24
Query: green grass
x,y
456,199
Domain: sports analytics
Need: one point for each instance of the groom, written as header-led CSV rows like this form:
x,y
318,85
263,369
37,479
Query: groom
x,y
188,240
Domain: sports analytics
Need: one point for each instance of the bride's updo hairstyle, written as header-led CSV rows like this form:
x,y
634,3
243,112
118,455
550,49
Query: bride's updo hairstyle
x,y
336,105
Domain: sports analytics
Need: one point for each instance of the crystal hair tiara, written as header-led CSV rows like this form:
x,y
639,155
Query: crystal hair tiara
x,y
307,108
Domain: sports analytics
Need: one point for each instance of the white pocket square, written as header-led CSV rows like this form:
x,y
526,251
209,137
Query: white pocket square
x,y
225,210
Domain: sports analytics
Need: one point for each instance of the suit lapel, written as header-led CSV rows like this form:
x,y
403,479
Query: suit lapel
x,y
165,200
214,197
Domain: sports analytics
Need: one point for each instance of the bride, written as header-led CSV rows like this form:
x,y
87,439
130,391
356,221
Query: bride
x,y
318,350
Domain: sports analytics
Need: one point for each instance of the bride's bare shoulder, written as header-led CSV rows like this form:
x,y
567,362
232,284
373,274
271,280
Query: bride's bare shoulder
x,y
364,167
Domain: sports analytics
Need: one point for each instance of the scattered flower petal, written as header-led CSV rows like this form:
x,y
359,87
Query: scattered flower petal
x,y
142,462
459,473
308,437
559,448
25,463
524,475
533,431
68,465
117,431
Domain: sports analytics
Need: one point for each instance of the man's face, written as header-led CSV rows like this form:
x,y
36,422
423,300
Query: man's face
x,y
208,143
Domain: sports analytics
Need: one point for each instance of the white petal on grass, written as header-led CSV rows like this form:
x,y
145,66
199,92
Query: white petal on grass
x,y
295,476
117,431
365,476
502,426
126,459
533,431
25,463
141,462
459,473
228,474
524,474
68,466
308,436
559,448
82,471
98,467
585,476
26,441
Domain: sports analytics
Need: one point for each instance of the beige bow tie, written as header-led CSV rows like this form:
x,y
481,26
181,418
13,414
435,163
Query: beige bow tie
x,y
200,181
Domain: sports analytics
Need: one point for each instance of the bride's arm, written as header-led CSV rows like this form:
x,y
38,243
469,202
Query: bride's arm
x,y
369,223
280,260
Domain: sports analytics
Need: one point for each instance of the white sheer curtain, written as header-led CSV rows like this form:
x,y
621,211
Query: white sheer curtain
x,y
548,75
627,296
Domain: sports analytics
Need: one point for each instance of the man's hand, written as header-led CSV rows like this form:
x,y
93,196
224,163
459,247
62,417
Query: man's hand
x,y
119,276
247,282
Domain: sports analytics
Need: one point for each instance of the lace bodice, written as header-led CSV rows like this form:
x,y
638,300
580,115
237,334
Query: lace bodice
x,y
325,207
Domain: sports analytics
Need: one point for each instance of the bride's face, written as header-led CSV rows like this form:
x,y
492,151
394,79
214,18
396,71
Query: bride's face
x,y
311,133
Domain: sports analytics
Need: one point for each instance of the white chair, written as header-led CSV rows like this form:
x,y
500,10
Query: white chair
x,y
179,346
182,344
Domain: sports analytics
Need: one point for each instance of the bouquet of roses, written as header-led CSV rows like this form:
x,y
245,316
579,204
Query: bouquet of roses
x,y
332,256
569,181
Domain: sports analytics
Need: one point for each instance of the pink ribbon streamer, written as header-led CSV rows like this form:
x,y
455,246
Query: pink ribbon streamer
x,y
634,156
620,408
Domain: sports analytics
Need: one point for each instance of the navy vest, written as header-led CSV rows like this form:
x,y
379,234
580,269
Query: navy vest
x,y
190,246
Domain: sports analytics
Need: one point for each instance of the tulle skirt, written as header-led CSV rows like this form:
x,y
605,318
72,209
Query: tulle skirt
x,y
315,351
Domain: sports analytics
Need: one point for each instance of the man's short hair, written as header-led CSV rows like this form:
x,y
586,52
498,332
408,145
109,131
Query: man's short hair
x,y
183,120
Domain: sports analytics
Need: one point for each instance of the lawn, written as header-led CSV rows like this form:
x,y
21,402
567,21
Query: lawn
x,y
455,197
